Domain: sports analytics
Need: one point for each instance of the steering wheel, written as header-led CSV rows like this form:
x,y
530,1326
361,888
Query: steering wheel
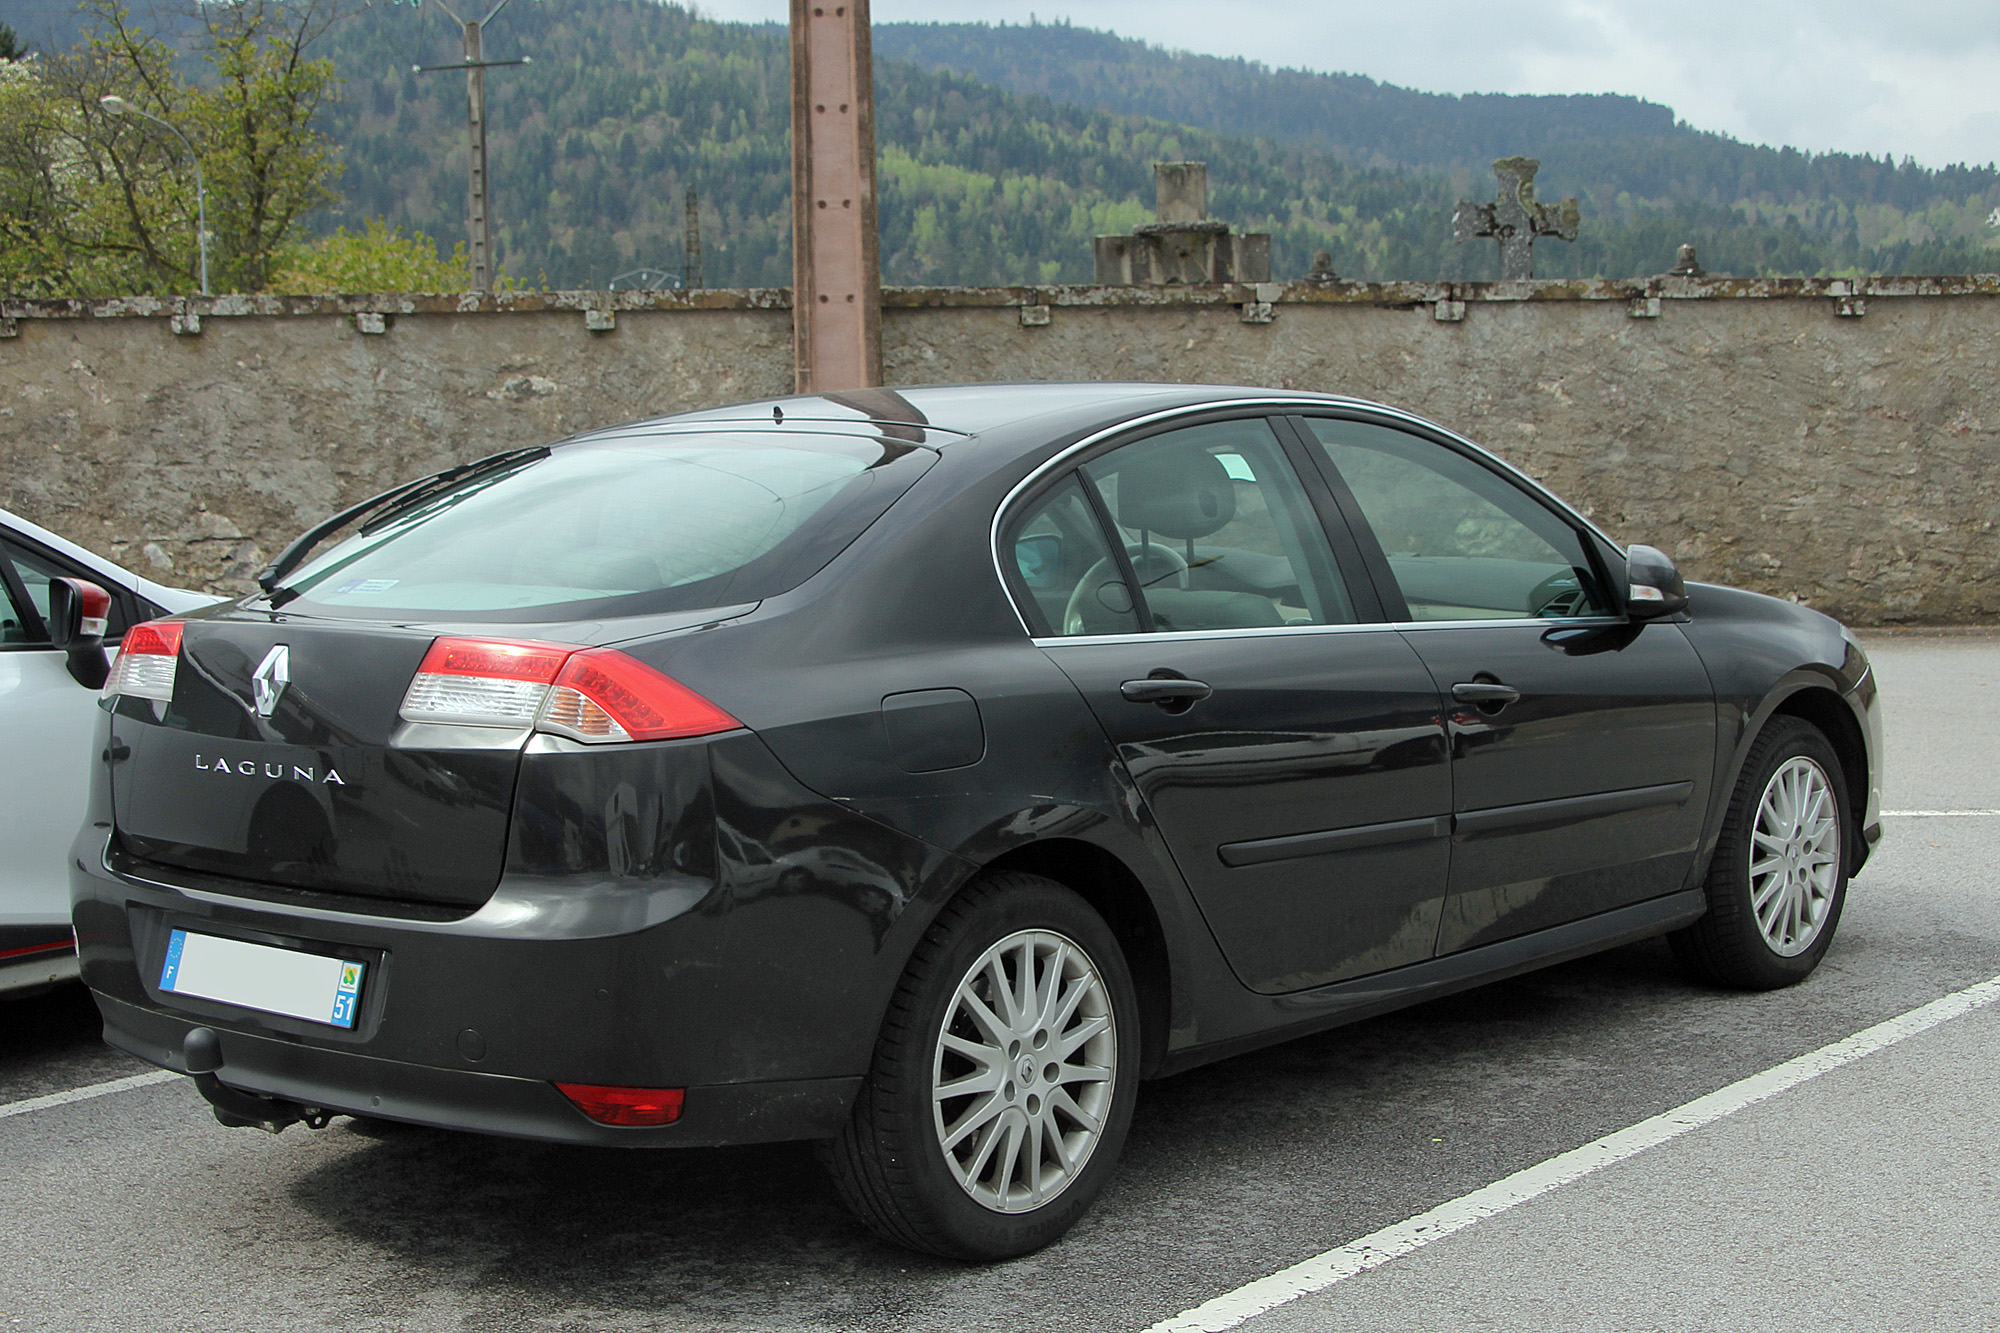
x,y
1560,596
1095,580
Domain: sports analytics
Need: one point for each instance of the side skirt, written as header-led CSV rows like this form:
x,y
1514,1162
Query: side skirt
x,y
1306,1012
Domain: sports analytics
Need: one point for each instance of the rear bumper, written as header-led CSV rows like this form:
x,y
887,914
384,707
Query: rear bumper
x,y
486,1103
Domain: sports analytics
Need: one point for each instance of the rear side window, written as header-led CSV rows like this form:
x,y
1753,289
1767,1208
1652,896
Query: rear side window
x,y
625,526
1074,583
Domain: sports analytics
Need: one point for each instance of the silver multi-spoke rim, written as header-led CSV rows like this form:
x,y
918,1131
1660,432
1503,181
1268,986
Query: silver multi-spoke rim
x,y
1794,856
1021,1082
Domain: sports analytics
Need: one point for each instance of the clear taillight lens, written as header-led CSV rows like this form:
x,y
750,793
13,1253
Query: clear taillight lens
x,y
483,682
147,661
598,695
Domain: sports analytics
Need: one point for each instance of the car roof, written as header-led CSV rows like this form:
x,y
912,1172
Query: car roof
x,y
941,415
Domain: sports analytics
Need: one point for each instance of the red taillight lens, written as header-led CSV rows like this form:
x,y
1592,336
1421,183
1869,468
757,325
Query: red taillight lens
x,y
500,659
625,1106
603,695
147,661
483,682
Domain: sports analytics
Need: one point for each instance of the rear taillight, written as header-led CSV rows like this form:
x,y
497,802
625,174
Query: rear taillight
x,y
483,682
147,660
603,695
598,695
625,1106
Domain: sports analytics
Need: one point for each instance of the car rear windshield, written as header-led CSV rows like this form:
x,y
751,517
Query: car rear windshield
x,y
625,526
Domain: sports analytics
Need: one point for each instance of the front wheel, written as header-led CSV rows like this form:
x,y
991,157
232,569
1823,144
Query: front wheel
x,y
1779,878
1003,1082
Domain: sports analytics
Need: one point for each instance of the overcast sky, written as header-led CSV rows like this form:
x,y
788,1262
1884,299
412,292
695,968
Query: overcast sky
x,y
1920,78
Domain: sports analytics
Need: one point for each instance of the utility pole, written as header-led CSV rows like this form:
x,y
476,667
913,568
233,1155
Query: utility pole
x,y
691,251
475,67
836,271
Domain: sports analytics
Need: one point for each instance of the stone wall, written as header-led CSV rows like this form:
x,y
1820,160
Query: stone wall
x,y
1831,442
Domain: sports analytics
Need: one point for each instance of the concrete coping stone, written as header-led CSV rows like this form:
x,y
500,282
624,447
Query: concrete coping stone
x,y
1851,291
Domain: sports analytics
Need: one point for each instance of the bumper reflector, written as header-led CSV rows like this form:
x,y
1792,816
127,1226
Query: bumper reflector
x,y
625,1106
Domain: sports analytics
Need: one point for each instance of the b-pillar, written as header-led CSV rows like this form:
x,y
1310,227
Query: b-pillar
x,y
836,272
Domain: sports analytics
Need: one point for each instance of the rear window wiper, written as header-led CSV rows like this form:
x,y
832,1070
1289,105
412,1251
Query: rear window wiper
x,y
394,499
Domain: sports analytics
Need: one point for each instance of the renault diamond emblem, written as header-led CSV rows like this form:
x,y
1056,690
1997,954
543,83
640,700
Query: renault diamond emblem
x,y
273,674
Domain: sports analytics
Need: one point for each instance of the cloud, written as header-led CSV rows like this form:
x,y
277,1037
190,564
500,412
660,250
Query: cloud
x,y
1920,78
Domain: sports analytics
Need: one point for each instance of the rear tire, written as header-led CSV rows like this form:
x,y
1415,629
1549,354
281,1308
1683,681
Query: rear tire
x,y
1002,1084
1779,878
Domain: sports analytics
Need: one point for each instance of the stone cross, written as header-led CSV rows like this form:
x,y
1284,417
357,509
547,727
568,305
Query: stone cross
x,y
1515,219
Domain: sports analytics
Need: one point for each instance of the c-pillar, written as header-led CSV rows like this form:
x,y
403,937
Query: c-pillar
x,y
836,274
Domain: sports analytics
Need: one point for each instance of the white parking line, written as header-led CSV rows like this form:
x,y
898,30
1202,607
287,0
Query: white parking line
x,y
1337,1265
1935,814
84,1094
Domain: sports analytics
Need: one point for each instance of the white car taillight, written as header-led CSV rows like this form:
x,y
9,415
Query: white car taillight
x,y
598,695
147,661
483,682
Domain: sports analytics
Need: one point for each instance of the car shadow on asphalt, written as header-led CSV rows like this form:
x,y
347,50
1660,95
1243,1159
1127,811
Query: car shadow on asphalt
x,y
756,1235
54,1041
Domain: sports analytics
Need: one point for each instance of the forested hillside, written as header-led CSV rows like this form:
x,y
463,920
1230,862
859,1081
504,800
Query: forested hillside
x,y
629,101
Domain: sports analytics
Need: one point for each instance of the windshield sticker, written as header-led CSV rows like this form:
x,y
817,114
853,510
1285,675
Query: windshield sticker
x,y
364,586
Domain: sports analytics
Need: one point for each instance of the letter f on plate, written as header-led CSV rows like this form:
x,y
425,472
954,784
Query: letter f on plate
x,y
272,675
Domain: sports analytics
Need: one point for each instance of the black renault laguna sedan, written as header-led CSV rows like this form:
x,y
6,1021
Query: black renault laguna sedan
x,y
918,772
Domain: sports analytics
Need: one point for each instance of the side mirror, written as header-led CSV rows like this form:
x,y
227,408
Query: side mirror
x,y
1656,589
78,612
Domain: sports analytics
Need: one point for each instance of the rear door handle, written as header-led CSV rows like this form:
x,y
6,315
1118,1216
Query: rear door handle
x,y
1165,690
1485,692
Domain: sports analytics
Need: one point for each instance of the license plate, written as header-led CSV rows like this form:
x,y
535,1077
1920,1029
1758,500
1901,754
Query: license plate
x,y
256,976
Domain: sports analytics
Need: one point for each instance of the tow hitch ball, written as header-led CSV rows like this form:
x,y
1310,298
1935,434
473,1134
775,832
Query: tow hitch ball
x,y
202,1050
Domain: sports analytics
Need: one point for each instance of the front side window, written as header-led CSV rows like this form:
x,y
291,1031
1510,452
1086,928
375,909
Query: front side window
x,y
619,527
1219,531
1463,542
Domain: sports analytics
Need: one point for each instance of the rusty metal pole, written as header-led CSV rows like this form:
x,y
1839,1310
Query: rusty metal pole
x,y
836,272
475,113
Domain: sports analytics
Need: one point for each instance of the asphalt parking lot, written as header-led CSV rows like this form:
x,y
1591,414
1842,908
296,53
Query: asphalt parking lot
x,y
1866,1198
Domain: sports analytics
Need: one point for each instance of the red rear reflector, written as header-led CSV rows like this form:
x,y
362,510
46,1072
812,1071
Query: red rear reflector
x,y
603,695
625,1106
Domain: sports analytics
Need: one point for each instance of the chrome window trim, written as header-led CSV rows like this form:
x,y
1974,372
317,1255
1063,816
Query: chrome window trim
x,y
1266,405
1541,623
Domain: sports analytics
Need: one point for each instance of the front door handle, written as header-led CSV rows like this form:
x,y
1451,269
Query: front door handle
x,y
1485,692
1166,691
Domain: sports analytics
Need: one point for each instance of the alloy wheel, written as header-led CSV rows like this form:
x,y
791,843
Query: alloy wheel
x,y
1794,856
1024,1069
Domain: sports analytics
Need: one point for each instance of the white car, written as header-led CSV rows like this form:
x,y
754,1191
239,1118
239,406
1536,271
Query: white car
x,y
46,721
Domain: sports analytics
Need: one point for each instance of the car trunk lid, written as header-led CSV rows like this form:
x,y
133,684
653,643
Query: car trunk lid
x,y
318,784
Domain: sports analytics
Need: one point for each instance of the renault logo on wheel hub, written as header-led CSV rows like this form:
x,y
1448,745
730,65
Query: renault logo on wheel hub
x,y
267,685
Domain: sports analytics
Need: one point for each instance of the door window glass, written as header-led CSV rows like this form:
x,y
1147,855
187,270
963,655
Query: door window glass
x,y
14,626
1219,530
1073,582
1463,542
35,571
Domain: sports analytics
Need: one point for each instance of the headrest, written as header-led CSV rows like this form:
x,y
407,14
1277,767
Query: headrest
x,y
1177,491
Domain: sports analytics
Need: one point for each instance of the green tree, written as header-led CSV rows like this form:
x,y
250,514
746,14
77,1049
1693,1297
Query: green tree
x,y
379,258
11,46
95,204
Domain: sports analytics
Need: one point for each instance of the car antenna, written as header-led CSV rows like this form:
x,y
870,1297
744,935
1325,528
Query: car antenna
x,y
777,414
